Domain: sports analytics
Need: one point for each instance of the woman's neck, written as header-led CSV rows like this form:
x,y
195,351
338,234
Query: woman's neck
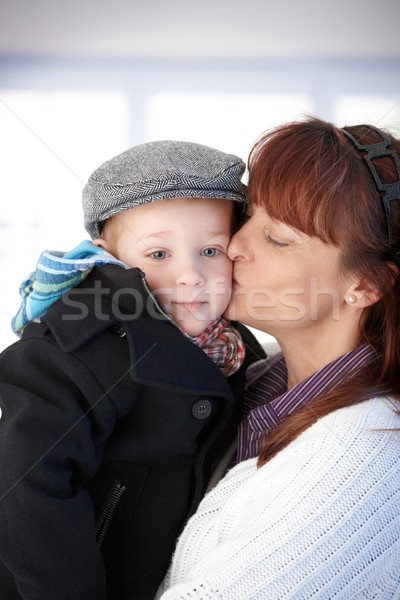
x,y
306,353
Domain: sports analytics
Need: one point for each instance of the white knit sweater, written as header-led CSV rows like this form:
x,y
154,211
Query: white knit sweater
x,y
320,520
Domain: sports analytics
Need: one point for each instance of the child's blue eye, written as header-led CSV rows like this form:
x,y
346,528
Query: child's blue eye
x,y
159,254
210,252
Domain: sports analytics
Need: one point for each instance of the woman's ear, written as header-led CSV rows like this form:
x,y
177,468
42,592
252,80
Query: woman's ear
x,y
362,294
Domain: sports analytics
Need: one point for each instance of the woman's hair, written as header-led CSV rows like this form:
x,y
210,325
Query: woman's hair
x,y
309,175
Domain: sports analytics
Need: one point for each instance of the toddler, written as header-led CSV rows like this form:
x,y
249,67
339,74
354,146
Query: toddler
x,y
125,390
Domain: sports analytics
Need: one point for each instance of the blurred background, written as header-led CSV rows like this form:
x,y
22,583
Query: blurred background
x,y
84,80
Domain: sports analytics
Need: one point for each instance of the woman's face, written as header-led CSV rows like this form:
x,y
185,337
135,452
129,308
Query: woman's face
x,y
282,278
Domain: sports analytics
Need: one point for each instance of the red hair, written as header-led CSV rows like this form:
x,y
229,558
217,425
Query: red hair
x,y
310,176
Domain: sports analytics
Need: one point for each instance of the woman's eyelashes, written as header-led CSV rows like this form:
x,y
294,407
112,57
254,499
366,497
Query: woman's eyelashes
x,y
275,242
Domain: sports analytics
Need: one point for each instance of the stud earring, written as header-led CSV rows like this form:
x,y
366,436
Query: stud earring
x,y
351,299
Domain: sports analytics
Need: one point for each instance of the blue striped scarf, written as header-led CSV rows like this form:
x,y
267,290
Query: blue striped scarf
x,y
56,273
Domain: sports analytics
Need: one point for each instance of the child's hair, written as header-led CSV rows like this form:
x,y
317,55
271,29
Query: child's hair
x,y
111,228
309,175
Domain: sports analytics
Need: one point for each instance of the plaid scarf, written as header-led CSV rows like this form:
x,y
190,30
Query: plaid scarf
x,y
58,272
223,344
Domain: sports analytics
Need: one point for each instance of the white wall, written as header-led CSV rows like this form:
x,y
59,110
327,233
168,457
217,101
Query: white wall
x,y
62,117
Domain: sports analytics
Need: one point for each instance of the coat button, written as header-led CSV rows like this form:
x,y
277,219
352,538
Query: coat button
x,y
202,409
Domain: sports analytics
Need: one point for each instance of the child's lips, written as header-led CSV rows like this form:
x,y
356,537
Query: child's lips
x,y
195,306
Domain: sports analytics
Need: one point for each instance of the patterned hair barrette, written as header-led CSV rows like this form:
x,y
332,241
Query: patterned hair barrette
x,y
390,191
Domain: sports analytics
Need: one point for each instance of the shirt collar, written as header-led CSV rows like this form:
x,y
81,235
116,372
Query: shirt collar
x,y
268,401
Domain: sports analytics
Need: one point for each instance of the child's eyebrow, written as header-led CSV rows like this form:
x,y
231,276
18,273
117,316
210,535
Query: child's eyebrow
x,y
221,234
215,232
208,232
156,234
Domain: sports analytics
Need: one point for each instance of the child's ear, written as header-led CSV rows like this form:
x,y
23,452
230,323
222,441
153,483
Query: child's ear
x,y
100,243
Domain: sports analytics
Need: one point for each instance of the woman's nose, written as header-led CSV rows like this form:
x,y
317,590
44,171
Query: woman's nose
x,y
237,245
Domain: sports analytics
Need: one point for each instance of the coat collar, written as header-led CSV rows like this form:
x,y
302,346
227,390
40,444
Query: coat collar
x,y
159,353
108,295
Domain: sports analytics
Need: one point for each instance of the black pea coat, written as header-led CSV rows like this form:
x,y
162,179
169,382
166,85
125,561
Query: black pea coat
x,y
111,425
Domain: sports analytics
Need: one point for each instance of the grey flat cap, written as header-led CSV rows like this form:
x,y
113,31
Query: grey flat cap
x,y
156,171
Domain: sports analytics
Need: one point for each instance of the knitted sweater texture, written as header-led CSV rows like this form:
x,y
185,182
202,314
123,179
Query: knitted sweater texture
x,y
319,520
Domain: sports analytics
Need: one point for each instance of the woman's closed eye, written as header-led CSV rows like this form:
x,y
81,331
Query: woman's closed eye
x,y
275,242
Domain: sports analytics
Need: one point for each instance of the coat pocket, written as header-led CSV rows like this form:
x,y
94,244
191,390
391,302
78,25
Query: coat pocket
x,y
116,493
110,508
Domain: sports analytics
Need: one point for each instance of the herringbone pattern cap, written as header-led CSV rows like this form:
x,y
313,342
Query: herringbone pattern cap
x,y
156,171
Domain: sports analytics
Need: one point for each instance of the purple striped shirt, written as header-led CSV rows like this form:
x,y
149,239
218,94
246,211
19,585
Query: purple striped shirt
x,y
267,399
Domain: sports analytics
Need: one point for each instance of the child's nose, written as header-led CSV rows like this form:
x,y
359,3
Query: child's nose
x,y
190,274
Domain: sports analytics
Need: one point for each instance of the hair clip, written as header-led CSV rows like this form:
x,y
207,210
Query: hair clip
x,y
391,191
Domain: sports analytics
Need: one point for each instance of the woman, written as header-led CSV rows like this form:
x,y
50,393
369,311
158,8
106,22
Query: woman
x,y
313,508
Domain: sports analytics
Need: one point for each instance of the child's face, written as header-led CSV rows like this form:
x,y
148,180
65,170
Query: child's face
x,y
181,245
